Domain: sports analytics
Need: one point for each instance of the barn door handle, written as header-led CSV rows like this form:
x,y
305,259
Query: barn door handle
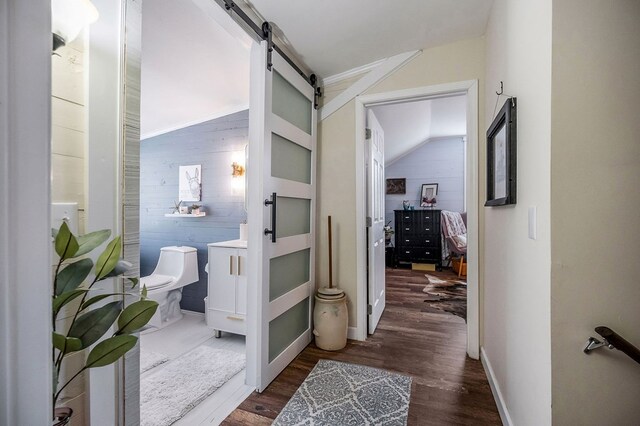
x,y
272,203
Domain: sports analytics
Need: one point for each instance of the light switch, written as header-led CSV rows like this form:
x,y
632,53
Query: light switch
x,y
533,225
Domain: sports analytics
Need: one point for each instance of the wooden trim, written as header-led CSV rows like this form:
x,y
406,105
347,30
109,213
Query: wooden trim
x,y
367,81
336,78
495,389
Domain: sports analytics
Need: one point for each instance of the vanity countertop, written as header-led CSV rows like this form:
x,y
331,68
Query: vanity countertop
x,y
230,244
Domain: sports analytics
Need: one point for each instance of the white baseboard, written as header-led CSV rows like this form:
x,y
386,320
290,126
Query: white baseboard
x,y
495,389
352,333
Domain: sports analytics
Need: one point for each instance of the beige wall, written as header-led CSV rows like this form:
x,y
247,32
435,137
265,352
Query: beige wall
x,y
595,217
517,269
336,153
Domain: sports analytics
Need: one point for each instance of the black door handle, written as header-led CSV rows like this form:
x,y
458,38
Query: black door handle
x,y
272,203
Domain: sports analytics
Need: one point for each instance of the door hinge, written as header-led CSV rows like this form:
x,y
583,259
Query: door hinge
x,y
367,133
369,310
369,222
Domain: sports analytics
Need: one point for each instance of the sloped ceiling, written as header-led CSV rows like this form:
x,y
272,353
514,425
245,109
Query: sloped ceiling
x,y
332,36
192,69
408,125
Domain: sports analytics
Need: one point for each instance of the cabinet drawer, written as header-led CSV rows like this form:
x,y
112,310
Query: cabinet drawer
x,y
417,252
225,321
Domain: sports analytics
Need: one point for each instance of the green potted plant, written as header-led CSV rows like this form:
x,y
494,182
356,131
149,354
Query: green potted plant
x,y
90,321
195,209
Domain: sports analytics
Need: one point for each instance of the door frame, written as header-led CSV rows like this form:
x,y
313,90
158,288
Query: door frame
x,y
470,89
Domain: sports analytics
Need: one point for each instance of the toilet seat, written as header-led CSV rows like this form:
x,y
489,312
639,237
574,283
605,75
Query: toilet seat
x,y
156,281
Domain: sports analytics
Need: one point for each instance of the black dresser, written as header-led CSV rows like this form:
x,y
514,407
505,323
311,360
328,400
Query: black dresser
x,y
418,237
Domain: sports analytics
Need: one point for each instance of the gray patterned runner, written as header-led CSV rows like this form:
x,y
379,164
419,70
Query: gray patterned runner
x,y
337,394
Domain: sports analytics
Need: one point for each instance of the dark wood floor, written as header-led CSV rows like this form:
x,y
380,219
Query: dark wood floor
x,y
448,387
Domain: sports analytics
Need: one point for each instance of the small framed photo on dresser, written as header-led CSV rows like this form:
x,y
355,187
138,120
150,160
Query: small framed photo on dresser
x,y
428,194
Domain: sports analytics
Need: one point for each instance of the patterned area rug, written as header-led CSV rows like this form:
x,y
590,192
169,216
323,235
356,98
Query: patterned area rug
x,y
337,393
150,359
447,294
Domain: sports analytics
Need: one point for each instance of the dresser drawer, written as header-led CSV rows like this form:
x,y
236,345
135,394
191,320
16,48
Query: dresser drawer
x,y
418,241
423,253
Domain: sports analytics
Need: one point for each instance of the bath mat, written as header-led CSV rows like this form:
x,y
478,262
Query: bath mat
x,y
167,395
150,359
337,393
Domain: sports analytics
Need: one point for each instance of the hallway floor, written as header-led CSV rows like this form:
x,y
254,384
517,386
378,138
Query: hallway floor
x,y
448,388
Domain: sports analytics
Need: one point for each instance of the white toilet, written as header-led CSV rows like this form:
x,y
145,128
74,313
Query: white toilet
x,y
176,268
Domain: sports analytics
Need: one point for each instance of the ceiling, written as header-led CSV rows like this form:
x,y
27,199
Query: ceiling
x,y
332,36
193,70
408,125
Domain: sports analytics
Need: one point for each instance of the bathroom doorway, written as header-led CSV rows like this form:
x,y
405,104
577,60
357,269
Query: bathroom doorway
x,y
194,129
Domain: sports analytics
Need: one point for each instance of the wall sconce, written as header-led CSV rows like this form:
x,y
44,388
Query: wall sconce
x,y
68,18
238,170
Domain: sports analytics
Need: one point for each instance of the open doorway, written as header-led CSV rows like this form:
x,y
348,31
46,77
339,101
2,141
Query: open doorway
x,y
429,136
194,121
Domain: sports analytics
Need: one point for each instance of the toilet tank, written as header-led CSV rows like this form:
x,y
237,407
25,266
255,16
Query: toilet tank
x,y
180,262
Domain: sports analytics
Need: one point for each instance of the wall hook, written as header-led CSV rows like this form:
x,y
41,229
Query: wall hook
x,y
501,89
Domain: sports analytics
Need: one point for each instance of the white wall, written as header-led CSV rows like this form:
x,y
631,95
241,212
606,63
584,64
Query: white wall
x,y
438,161
595,217
517,269
336,178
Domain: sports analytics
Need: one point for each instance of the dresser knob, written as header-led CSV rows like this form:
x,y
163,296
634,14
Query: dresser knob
x,y
427,229
426,241
406,241
406,229
407,252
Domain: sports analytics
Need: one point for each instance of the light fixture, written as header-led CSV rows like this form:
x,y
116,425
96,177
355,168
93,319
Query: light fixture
x,y
68,18
238,170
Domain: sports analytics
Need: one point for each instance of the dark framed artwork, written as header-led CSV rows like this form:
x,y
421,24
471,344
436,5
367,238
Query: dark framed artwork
x,y
428,194
501,157
397,186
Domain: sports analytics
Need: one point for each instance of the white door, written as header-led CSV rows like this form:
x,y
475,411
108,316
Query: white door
x,y
375,220
281,173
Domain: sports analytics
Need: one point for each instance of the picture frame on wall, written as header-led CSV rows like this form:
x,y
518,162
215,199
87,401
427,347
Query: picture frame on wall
x,y
397,186
428,194
501,157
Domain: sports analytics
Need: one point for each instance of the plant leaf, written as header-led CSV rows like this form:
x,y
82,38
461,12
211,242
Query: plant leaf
x,y
134,282
64,298
143,293
136,315
92,240
73,275
121,267
108,259
66,243
110,350
66,344
91,326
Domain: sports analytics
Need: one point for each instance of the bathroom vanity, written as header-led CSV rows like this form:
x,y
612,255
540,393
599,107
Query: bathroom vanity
x,y
227,298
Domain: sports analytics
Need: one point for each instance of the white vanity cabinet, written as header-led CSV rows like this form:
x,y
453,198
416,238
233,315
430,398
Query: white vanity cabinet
x,y
227,298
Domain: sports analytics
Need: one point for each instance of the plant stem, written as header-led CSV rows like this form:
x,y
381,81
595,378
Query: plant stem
x,y
57,395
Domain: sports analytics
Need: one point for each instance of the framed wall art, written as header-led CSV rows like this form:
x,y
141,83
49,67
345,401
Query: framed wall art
x,y
501,157
428,194
397,186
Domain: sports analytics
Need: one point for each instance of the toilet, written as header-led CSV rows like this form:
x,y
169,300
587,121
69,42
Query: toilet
x,y
176,268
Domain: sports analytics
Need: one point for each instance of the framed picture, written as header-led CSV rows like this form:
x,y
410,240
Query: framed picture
x,y
190,183
428,194
501,157
397,186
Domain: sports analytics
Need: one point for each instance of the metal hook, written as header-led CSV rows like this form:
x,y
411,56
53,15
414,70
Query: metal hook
x,y
501,89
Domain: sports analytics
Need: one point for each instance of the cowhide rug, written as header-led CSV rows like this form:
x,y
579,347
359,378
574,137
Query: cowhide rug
x,y
447,294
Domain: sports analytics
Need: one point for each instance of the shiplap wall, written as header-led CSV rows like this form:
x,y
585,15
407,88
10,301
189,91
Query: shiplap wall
x,y
215,145
438,161
68,128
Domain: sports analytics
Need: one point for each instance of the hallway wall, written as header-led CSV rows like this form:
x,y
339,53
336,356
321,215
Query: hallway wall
x,y
517,269
595,239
